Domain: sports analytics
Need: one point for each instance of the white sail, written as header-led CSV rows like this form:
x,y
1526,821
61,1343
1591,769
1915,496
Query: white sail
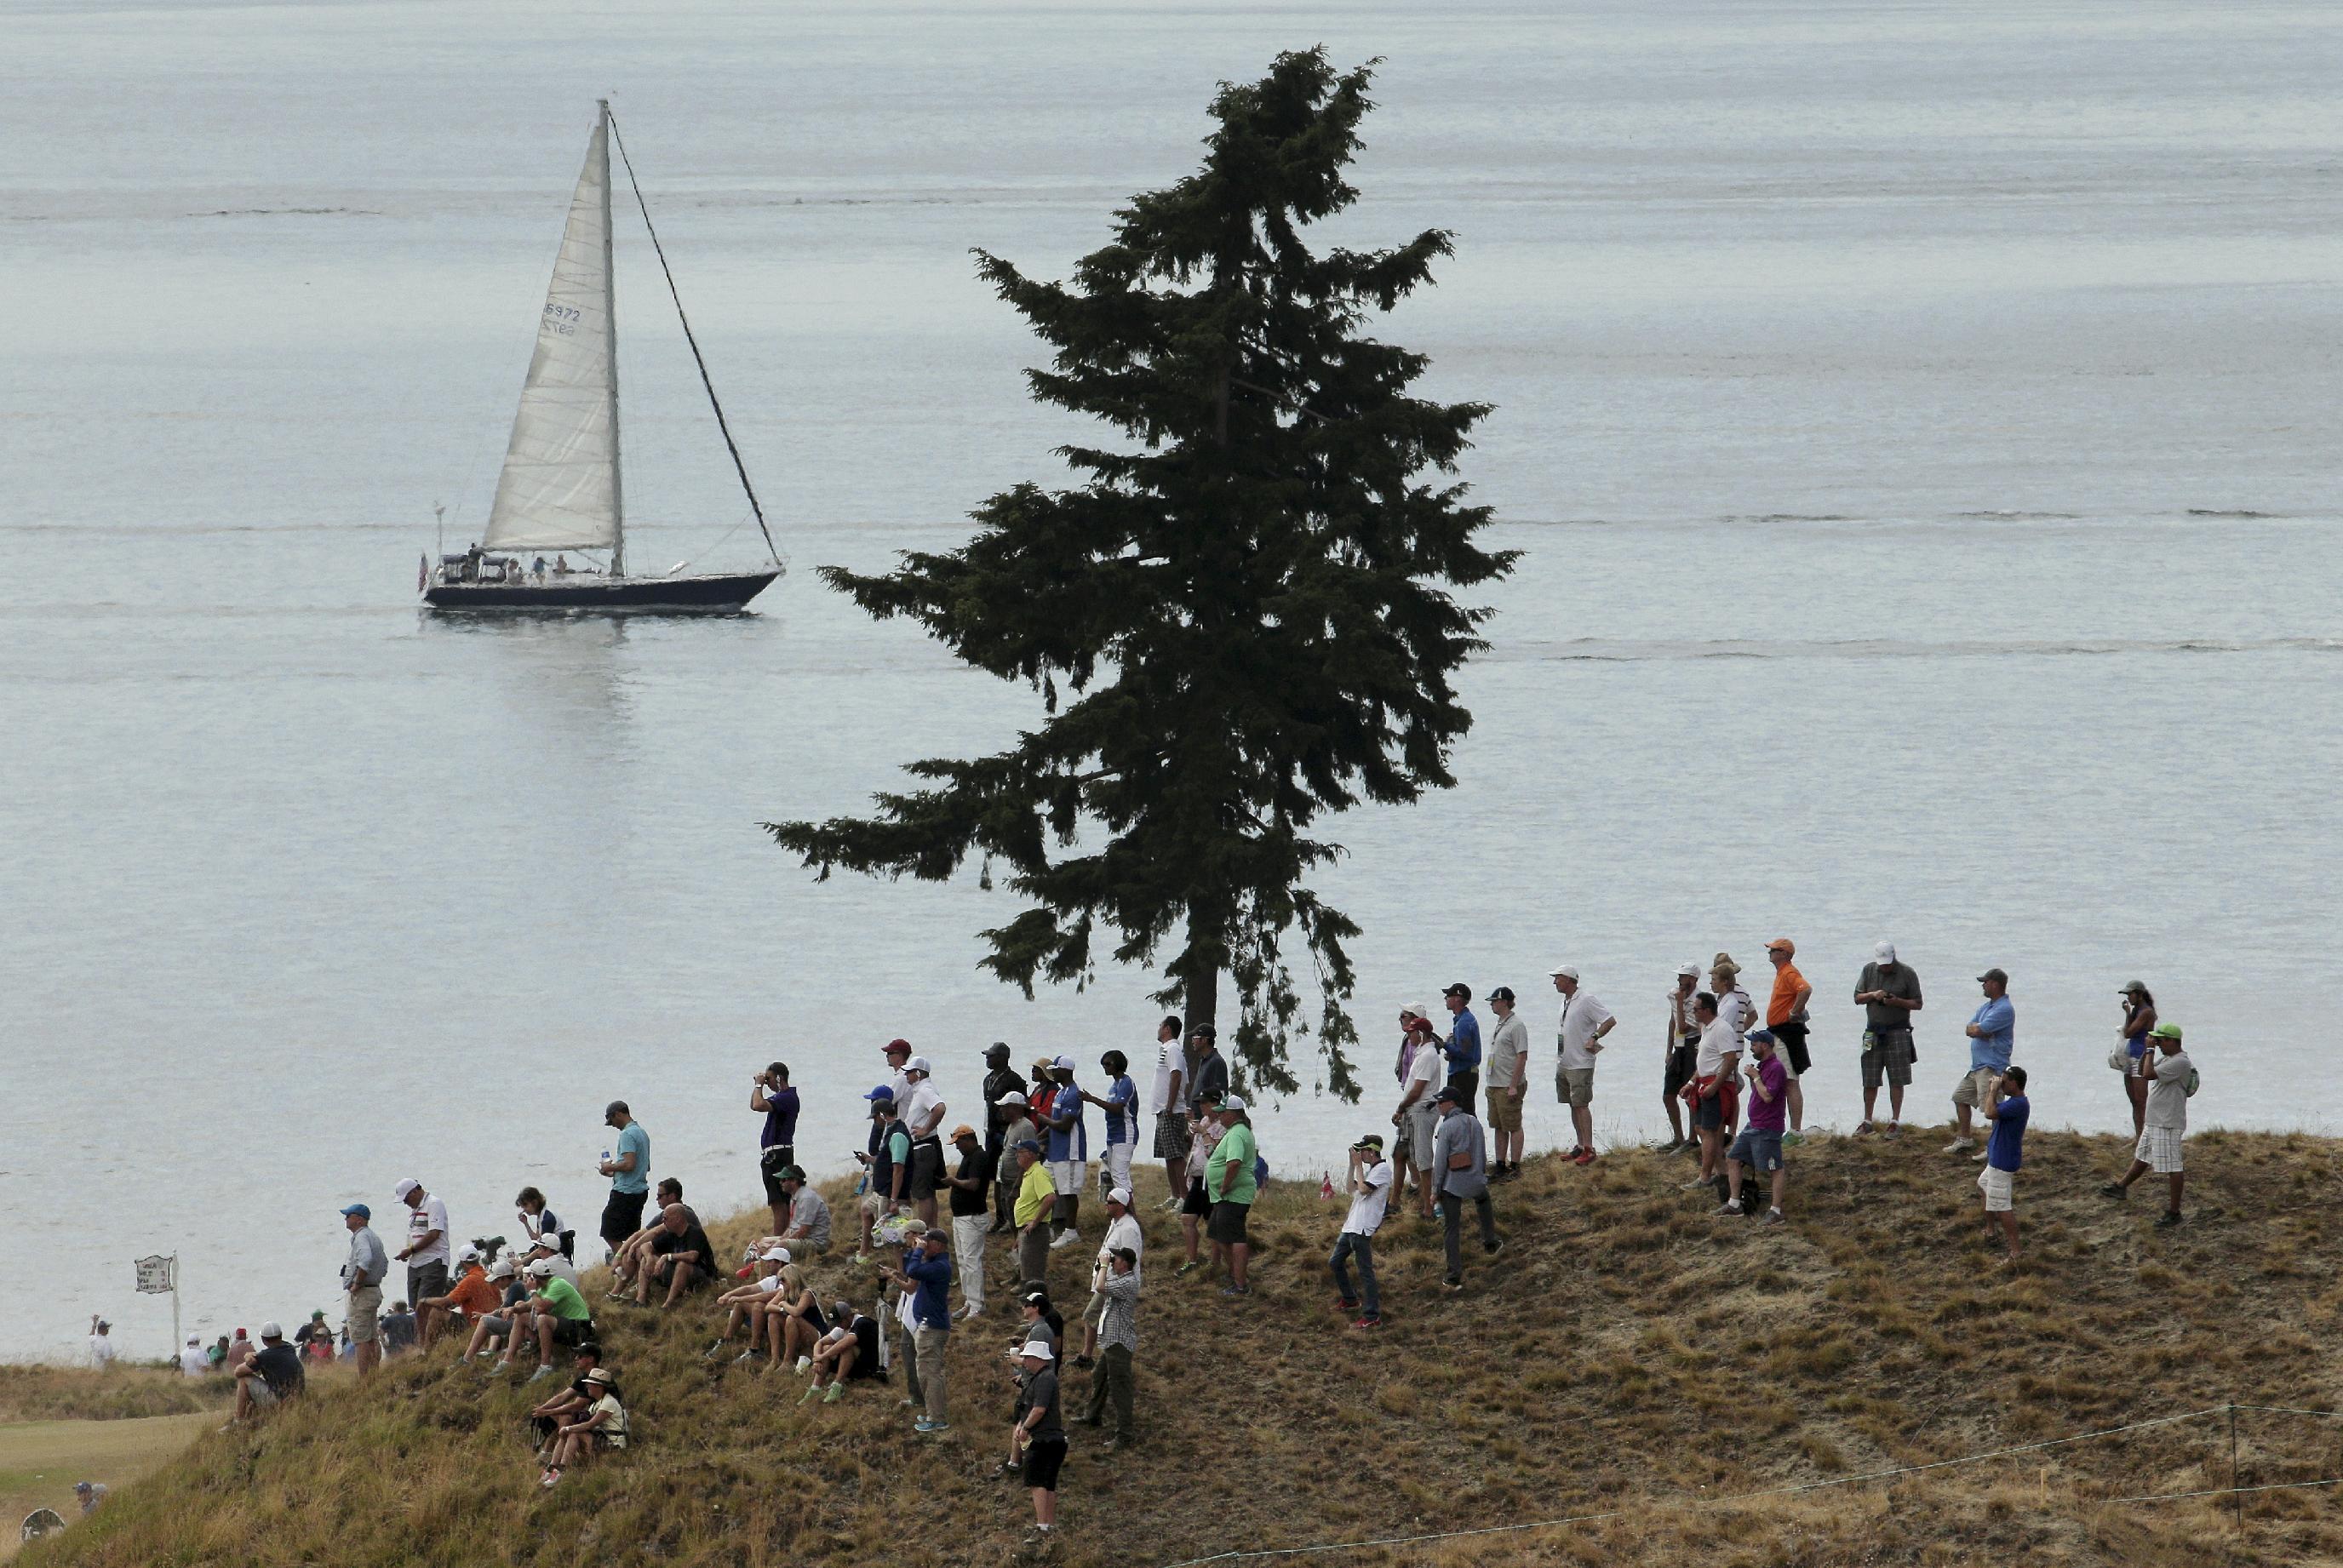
x,y
559,488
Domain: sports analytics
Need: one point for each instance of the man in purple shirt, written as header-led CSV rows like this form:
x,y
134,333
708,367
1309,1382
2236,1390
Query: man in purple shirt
x,y
1759,1147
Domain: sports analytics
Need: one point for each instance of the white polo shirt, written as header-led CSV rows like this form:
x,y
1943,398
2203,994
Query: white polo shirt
x,y
1582,1015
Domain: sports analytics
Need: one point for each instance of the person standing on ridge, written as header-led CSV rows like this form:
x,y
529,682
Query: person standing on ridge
x,y
2006,1110
629,1170
1889,994
1008,1176
1121,1105
1167,1101
770,1096
1037,1201
970,1182
2172,1079
1786,1015
924,1121
426,1253
1459,1152
1463,1047
1000,1080
1579,1037
362,1277
102,1347
1678,1056
1509,1077
926,1277
1992,1030
1759,1145
1231,1184
1418,1113
2140,1018
1068,1141
1369,1187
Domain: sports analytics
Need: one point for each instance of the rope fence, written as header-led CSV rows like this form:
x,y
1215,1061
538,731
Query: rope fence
x,y
2232,1491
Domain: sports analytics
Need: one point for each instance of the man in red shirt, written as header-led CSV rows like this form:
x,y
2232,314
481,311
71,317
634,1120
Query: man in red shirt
x,y
1786,1015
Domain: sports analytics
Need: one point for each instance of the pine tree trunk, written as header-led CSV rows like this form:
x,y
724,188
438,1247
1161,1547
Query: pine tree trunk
x,y
1201,985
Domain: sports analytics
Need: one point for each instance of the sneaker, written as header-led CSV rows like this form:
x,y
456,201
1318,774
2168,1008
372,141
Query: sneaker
x,y
925,1424
504,1365
1979,1155
861,1259
549,1478
544,1370
1111,1443
1584,1157
910,1404
1695,1185
1374,1322
1453,1287
713,1352
833,1393
1231,1291
1670,1147
967,1312
810,1392
1773,1217
1864,1129
746,1356
1496,1247
1895,1130
2112,1190
1729,1208
1067,1240
2169,1218
1960,1145
1184,1270
1575,1150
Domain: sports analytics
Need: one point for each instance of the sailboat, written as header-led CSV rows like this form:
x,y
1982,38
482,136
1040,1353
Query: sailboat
x,y
561,490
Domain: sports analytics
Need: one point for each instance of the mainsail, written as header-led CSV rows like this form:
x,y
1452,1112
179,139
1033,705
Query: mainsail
x,y
559,488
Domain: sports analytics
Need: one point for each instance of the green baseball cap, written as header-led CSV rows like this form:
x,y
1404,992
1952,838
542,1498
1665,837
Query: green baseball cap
x,y
2164,1032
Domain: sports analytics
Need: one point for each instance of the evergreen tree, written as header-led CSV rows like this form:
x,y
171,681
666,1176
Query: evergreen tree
x,y
1238,620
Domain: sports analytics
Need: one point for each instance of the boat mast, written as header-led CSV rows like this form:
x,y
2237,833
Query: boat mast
x,y
611,331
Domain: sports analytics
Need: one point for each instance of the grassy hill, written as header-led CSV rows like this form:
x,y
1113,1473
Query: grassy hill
x,y
1629,1355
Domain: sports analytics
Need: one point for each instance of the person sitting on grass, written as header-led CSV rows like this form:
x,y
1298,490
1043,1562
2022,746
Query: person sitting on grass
x,y
1759,1145
549,1248
2171,1079
1039,1438
602,1428
270,1377
794,1322
744,1305
500,1328
846,1353
473,1295
681,1258
571,1403
559,1316
633,1251
809,1227
2006,1110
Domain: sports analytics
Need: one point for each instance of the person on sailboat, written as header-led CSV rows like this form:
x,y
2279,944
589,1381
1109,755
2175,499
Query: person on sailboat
x,y
537,568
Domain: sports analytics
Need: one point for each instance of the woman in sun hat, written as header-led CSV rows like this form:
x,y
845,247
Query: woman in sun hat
x,y
2139,1019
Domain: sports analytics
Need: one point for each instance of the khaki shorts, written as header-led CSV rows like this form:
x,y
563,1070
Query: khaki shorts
x,y
1972,1089
1574,1086
1504,1110
1997,1186
365,1303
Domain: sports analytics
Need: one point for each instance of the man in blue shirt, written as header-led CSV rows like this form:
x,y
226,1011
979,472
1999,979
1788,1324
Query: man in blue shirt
x,y
629,1170
1992,1029
1067,1150
1462,1048
2007,1109
926,1276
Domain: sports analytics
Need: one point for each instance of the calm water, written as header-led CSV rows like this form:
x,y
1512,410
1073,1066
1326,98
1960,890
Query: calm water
x,y
1921,422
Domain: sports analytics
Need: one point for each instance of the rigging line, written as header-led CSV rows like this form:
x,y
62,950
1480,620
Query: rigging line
x,y
738,467
2228,1491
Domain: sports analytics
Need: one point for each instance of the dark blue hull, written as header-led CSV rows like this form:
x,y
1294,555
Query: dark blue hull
x,y
725,593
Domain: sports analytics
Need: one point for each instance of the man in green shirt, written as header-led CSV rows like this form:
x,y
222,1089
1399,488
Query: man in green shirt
x,y
1231,1186
563,1318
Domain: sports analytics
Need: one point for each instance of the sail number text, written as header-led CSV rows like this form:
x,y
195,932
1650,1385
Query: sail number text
x,y
561,318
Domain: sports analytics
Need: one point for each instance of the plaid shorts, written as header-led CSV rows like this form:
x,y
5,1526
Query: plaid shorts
x,y
1172,1135
2159,1150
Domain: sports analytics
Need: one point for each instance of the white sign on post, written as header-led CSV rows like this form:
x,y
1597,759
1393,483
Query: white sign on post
x,y
157,1276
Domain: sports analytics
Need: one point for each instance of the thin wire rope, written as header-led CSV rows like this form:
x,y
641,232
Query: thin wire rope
x,y
722,425
2288,1410
2230,1490
1737,1497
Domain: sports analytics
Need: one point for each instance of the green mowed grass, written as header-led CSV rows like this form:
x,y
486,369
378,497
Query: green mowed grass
x,y
41,1459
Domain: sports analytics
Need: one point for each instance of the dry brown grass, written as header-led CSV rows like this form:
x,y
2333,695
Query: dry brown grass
x,y
117,1393
1628,1356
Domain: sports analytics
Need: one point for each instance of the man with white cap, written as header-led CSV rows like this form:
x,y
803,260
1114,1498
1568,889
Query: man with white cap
x,y
271,1377
1679,1054
1415,1118
101,1343
1122,1231
1167,1101
1017,1126
1113,1383
507,1324
193,1363
745,1304
1068,1141
923,1118
1889,994
1232,1183
1578,1037
1039,1438
362,1276
426,1252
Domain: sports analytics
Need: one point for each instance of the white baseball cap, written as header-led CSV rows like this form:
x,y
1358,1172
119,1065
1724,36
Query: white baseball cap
x,y
1011,1098
272,1331
406,1186
541,1270
1063,1064
550,1242
1691,970
504,1269
1884,951
774,1255
1565,972
1420,1011
466,1252
1120,1195
917,1064
1232,1103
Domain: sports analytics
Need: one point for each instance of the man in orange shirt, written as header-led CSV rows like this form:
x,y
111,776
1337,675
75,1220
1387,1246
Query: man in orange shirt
x,y
1786,1015
474,1294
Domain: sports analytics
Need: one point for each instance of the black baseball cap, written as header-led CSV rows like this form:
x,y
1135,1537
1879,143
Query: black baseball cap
x,y
1502,993
1459,989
